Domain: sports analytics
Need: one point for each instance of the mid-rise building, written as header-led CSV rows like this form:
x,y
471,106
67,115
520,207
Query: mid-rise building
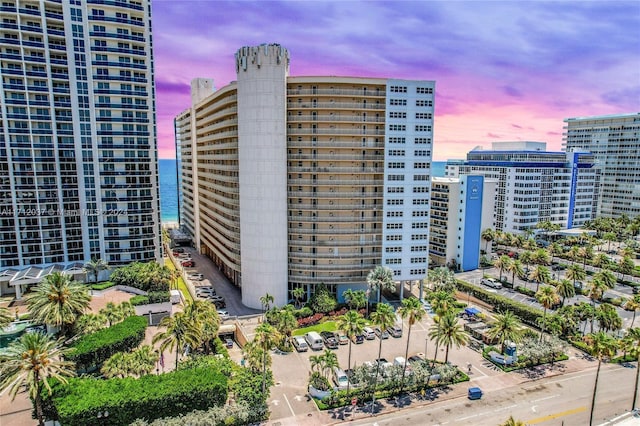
x,y
461,208
534,185
300,181
614,141
78,166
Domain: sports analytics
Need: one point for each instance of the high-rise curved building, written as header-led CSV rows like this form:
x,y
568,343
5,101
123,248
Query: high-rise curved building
x,y
292,181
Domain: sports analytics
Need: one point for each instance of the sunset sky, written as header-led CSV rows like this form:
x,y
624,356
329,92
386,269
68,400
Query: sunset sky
x,y
504,70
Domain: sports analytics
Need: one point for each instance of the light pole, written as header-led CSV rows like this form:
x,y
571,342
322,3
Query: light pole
x,y
426,346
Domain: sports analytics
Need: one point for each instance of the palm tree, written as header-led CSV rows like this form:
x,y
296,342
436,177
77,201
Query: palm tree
x,y
180,330
625,266
576,273
413,311
356,299
58,301
601,260
541,257
118,365
540,274
298,294
266,337
606,277
143,360
515,267
329,361
285,322
601,345
112,313
351,324
595,292
266,301
487,235
502,263
442,302
380,278
506,327
608,317
95,266
554,249
5,317
547,297
633,337
609,237
384,317
90,323
446,331
31,361
513,422
633,304
565,289
526,258
585,253
206,317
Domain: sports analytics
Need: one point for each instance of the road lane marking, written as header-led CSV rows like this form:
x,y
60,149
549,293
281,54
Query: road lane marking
x,y
505,408
556,415
545,398
287,401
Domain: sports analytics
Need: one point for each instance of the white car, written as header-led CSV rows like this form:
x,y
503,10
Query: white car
x,y
223,314
491,282
205,291
196,277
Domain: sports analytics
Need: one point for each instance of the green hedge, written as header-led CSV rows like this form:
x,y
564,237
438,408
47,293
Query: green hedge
x,y
93,349
527,314
151,297
150,396
102,285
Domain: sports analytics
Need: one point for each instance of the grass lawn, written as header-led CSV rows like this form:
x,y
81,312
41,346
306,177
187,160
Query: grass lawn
x,y
182,286
323,326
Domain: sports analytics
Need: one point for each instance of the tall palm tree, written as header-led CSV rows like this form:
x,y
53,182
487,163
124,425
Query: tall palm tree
x,y
203,314
266,301
502,263
633,304
351,324
625,266
487,235
576,273
540,274
285,322
526,258
266,337
515,268
601,345
31,361
554,249
95,266
112,313
607,277
447,331
143,360
329,361
413,311
547,297
608,317
380,278
298,294
633,337
356,299
180,330
565,289
90,323
585,253
442,302
506,327
58,301
601,260
384,317
541,257
595,292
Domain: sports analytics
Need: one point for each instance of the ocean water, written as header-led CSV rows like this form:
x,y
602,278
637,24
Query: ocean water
x,y
167,172
169,187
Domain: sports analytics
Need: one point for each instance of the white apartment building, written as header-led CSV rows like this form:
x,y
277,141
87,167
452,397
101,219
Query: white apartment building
x,y
614,141
461,208
78,166
534,185
298,181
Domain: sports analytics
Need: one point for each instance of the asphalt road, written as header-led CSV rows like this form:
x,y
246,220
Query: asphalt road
x,y
559,400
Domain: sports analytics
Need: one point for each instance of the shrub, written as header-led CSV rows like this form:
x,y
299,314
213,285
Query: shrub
x,y
151,297
126,399
102,285
524,290
149,276
93,349
139,300
312,320
304,312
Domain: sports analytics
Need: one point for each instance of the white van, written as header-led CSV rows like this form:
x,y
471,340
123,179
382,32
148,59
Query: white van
x,y
299,343
368,333
340,378
314,340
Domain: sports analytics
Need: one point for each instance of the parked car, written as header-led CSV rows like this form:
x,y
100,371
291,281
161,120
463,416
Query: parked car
x,y
184,256
196,277
178,250
382,334
188,263
228,343
357,339
223,314
368,333
474,393
342,339
395,331
415,359
635,289
221,304
329,339
214,298
491,282
299,343
209,290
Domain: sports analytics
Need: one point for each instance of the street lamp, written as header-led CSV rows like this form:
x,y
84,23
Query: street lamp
x,y
426,346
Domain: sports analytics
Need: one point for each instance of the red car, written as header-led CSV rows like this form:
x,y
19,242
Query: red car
x,y
188,263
